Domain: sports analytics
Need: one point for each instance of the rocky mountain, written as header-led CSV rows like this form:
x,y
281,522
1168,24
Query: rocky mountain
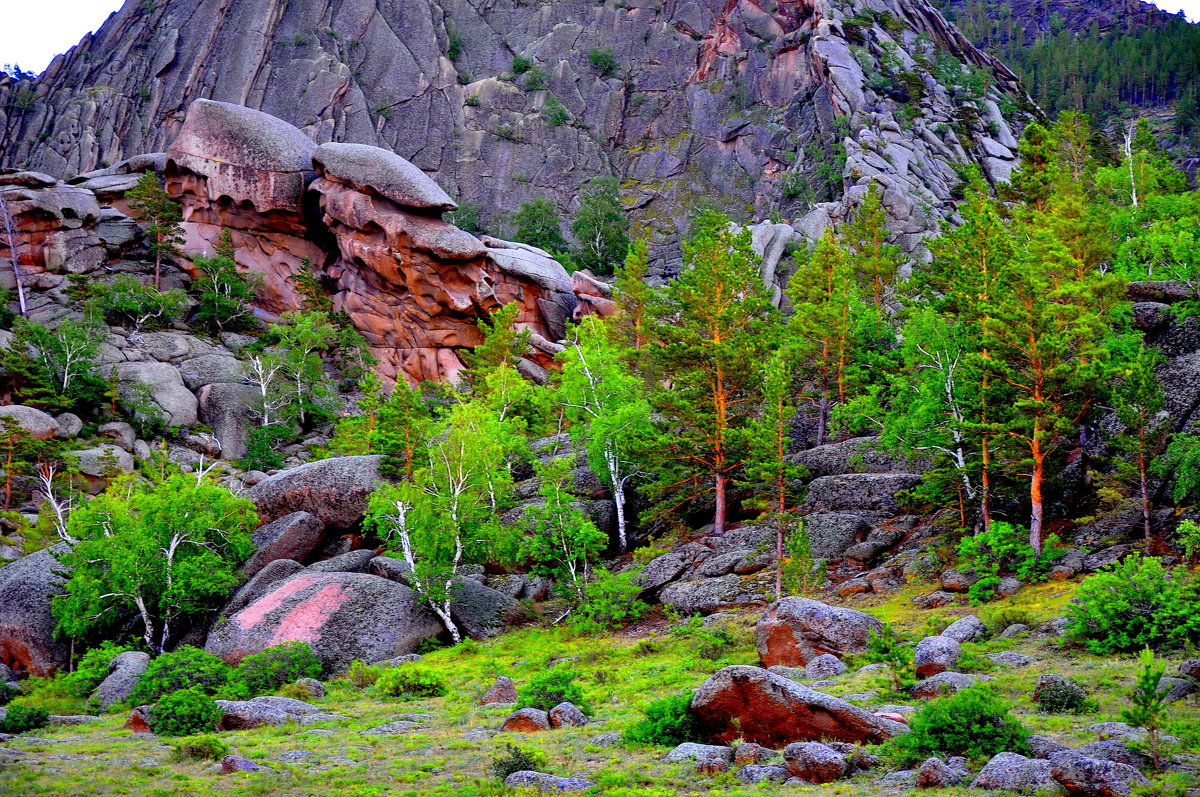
x,y
769,107
1040,18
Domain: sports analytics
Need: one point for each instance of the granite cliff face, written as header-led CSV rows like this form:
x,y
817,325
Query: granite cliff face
x,y
767,106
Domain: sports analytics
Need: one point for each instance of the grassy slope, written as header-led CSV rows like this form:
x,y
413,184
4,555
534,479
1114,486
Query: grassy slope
x,y
620,674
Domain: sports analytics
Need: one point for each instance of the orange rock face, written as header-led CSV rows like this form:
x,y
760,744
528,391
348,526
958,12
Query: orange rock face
x,y
370,225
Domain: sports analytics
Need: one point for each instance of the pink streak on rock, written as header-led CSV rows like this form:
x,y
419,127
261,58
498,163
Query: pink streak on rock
x,y
305,622
257,611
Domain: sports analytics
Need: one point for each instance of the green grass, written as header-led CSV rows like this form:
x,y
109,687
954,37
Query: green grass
x,y
620,675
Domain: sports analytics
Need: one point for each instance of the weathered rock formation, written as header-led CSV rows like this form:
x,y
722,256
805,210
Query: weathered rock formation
x,y
746,102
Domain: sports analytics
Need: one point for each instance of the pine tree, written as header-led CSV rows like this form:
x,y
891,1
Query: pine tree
x,y
633,298
600,227
162,216
1138,401
873,260
714,321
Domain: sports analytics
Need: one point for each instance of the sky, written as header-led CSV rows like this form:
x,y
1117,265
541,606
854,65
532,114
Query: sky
x,y
34,32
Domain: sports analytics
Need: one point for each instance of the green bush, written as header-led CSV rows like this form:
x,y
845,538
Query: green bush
x,y
603,61
610,600
8,693
516,759
200,748
20,719
974,723
277,666
521,65
92,668
363,675
1004,550
668,722
183,668
410,683
1063,697
260,448
548,688
185,713
128,301
1134,604
893,649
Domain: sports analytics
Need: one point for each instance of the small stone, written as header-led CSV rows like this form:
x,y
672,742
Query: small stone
x,y
690,751
770,773
541,781
937,774
751,753
503,691
235,763
814,762
567,715
936,654
1014,630
393,728
966,629
1010,658
826,666
312,686
527,720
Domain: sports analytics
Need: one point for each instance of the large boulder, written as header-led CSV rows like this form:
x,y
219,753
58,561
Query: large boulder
x,y
966,629
39,425
335,490
1013,772
761,707
373,170
832,533
124,672
704,596
293,536
1081,776
242,715
343,616
483,612
178,405
856,455
859,492
262,581
936,654
795,630
815,763
228,409
27,587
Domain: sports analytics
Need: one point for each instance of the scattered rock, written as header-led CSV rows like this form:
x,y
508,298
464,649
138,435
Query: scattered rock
x,y
313,687
1088,777
1013,772
567,715
241,715
936,654
966,629
1043,747
1014,630
503,691
751,753
235,763
1113,750
761,707
69,425
38,424
690,751
944,683
1010,658
795,630
349,562
1172,689
124,672
957,581
937,774
935,600
1190,669
826,665
814,762
527,720
394,728
768,773
703,596
527,779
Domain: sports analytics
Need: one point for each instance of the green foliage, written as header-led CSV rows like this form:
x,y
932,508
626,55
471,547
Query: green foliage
x,y
600,226
200,748
974,723
127,301
224,294
1188,533
64,375
893,649
92,668
536,79
1182,461
1004,550
1063,697
410,683
161,217
186,712
516,759
610,600
266,671
363,675
521,65
1135,604
21,719
552,686
1148,707
469,216
603,61
800,573
166,552
537,223
260,448
668,722
564,542
183,668
556,115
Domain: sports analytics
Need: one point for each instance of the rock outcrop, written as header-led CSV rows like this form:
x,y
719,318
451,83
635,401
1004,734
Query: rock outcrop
x,y
27,588
739,100
794,631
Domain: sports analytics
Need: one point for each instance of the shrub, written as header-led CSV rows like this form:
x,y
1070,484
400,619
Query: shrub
x,y
200,748
548,688
92,668
521,65
8,693
610,600
186,712
183,668
974,723
1148,709
1004,550
1063,697
516,759
278,665
128,301
536,79
893,649
410,683
20,719
603,61
668,722
1135,604
363,675
260,448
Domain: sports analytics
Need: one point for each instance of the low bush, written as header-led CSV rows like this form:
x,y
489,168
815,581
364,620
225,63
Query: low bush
x,y
1063,697
277,666
610,600
668,722
183,668
1135,604
129,301
410,683
548,688
20,719
893,649
186,712
199,748
516,759
363,675
1004,550
974,723
92,668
